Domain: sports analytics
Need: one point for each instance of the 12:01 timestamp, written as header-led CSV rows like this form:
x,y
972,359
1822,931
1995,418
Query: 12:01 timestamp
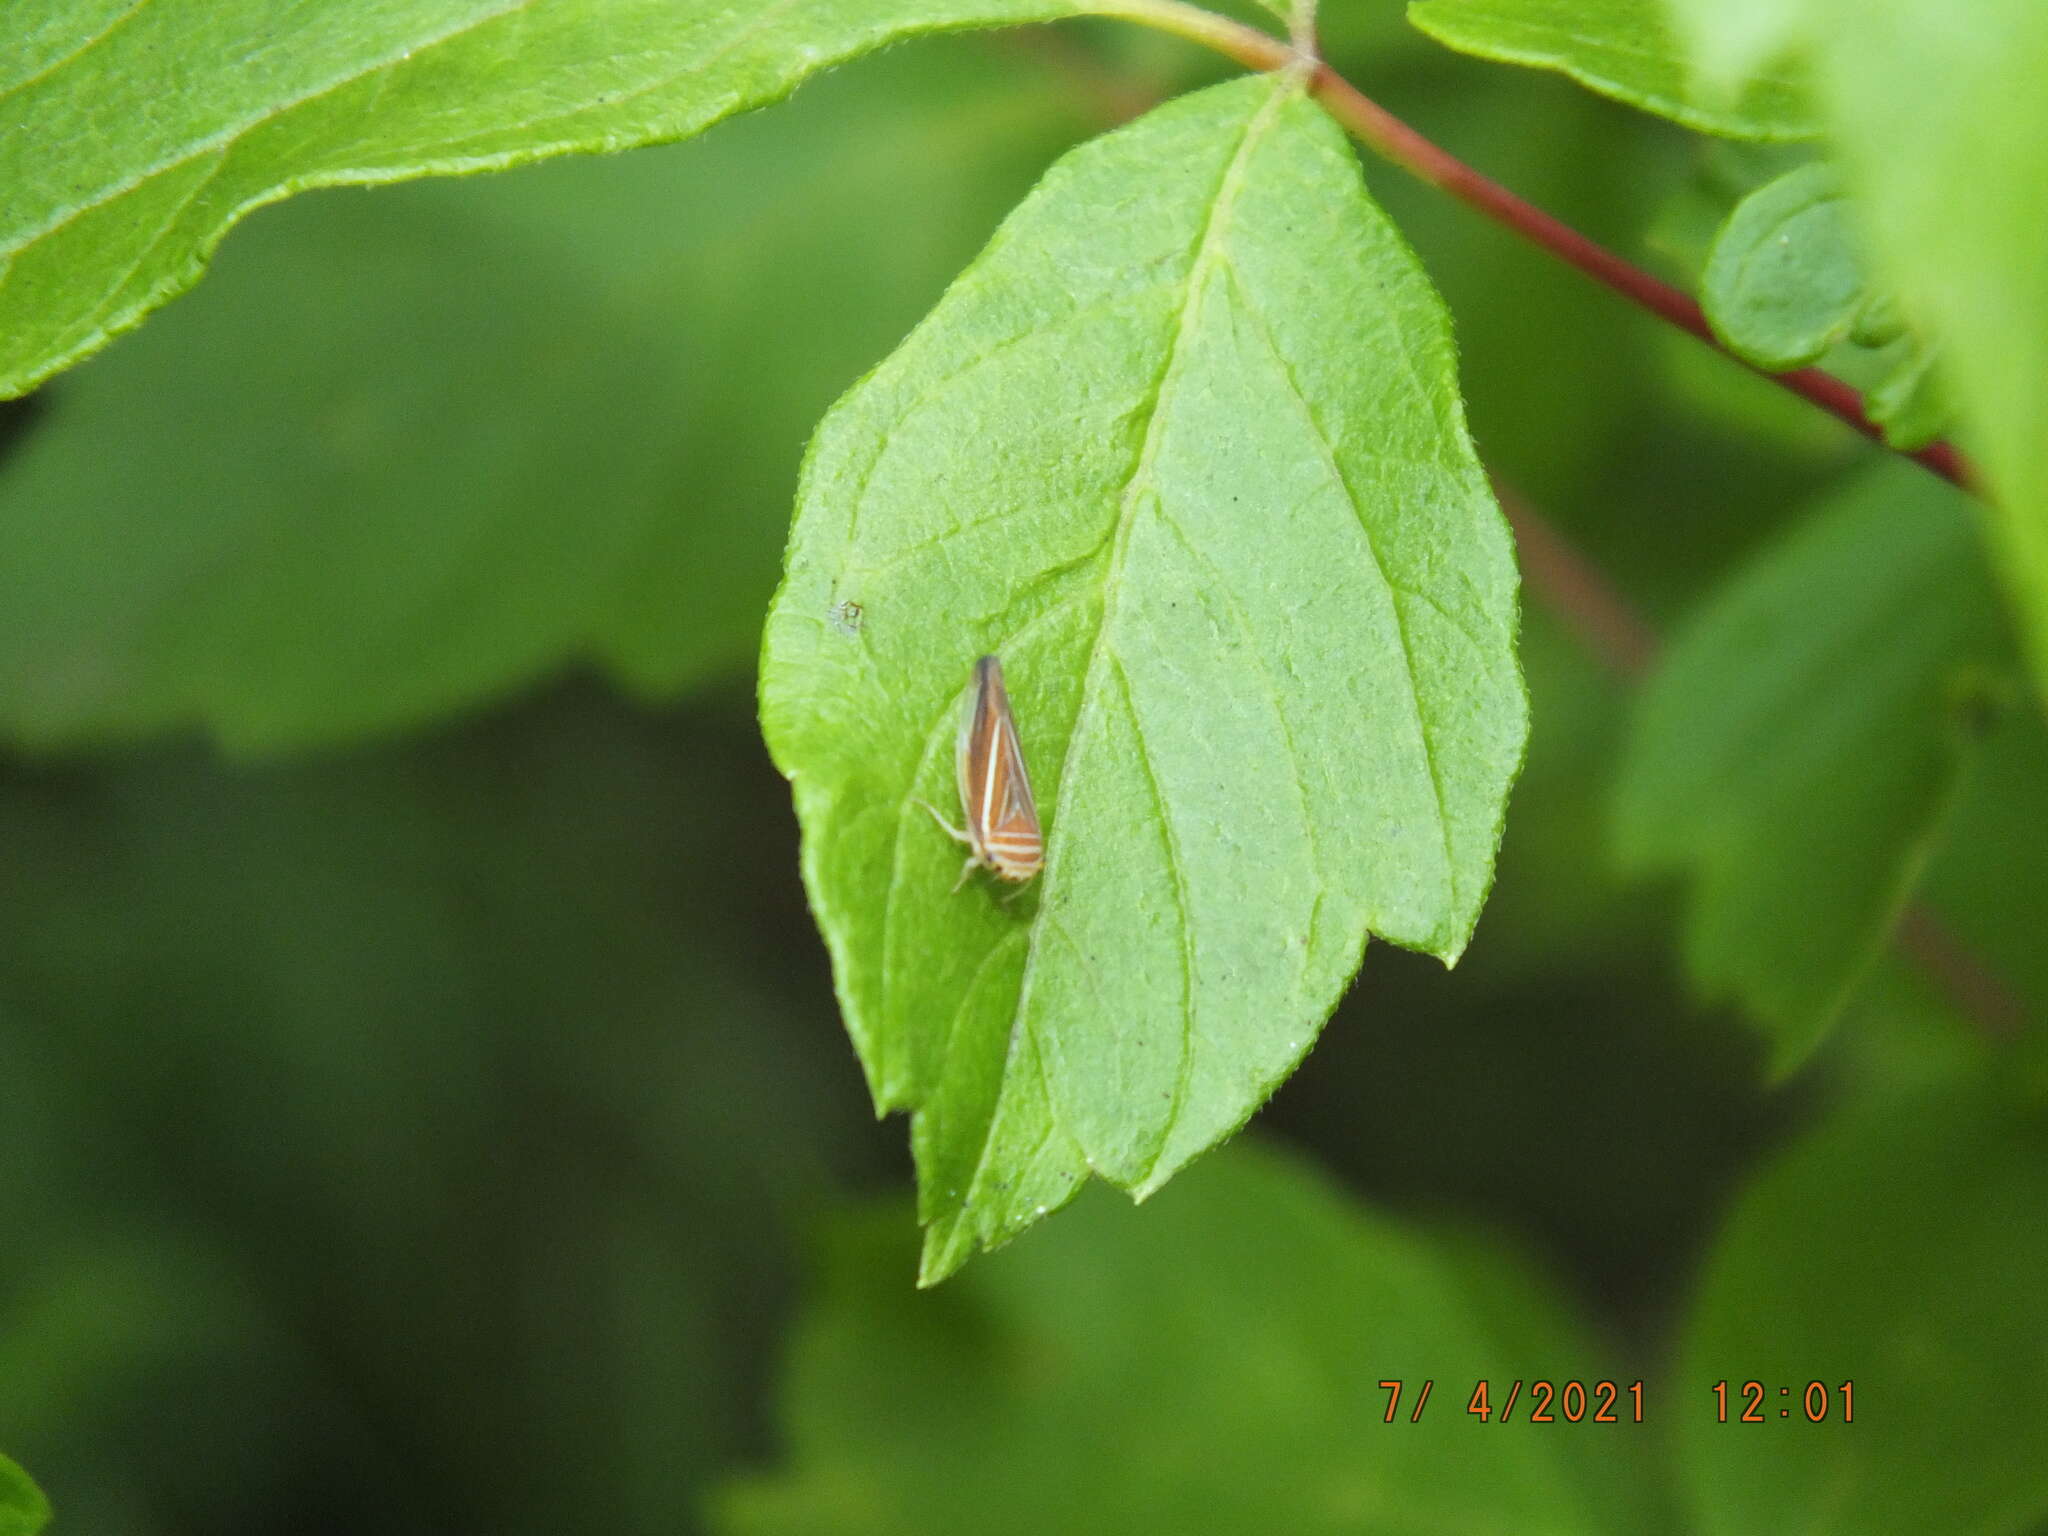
x,y
1751,1402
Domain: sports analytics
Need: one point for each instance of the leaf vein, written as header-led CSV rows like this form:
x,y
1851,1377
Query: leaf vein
x,y
1249,635
65,61
886,434
1176,867
1418,710
164,228
995,1109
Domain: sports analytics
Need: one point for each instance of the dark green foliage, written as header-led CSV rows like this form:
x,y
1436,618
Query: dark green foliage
x,y
1798,747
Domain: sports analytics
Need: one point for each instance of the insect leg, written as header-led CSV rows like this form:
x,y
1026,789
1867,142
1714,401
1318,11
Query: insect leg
x,y
946,826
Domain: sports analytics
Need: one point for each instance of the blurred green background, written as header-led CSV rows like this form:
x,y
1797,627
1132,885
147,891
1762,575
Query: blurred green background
x,y
422,1101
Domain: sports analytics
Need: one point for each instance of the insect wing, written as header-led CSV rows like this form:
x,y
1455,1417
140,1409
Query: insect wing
x,y
971,764
1002,817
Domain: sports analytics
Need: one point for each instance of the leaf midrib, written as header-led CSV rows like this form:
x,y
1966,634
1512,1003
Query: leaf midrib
x,y
1208,254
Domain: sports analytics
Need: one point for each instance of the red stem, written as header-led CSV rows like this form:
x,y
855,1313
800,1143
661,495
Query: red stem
x,y
1375,126
1571,586
1576,592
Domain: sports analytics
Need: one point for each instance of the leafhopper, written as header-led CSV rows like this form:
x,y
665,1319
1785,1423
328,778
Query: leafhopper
x,y
1002,830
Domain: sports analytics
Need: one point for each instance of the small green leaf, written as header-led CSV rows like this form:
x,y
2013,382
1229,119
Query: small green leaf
x,y
1879,322
1624,49
1185,447
132,136
1786,284
1797,749
1900,1249
1784,279
1211,1366
1910,404
23,1509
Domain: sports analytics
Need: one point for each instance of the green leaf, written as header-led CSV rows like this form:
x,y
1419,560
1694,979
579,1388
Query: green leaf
x,y
1212,1366
1952,188
1726,42
408,449
299,522
1184,446
23,1509
1878,322
1786,284
132,136
1910,403
1624,49
1994,850
1943,133
1784,279
1901,1249
1797,749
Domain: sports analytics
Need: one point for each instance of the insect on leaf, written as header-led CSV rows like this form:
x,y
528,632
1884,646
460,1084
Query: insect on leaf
x,y
1184,448
995,786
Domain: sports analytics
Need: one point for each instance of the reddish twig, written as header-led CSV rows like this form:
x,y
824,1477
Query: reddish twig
x,y
1387,135
1571,586
1381,130
1577,593
1949,963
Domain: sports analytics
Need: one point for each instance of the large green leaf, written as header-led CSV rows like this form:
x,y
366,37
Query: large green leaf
x,y
1900,1249
407,449
1797,748
1213,1367
133,135
1943,129
1621,48
1184,446
1994,849
1952,184
23,1509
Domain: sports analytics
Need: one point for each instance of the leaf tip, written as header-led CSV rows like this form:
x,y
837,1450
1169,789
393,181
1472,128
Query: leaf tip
x,y
942,1255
